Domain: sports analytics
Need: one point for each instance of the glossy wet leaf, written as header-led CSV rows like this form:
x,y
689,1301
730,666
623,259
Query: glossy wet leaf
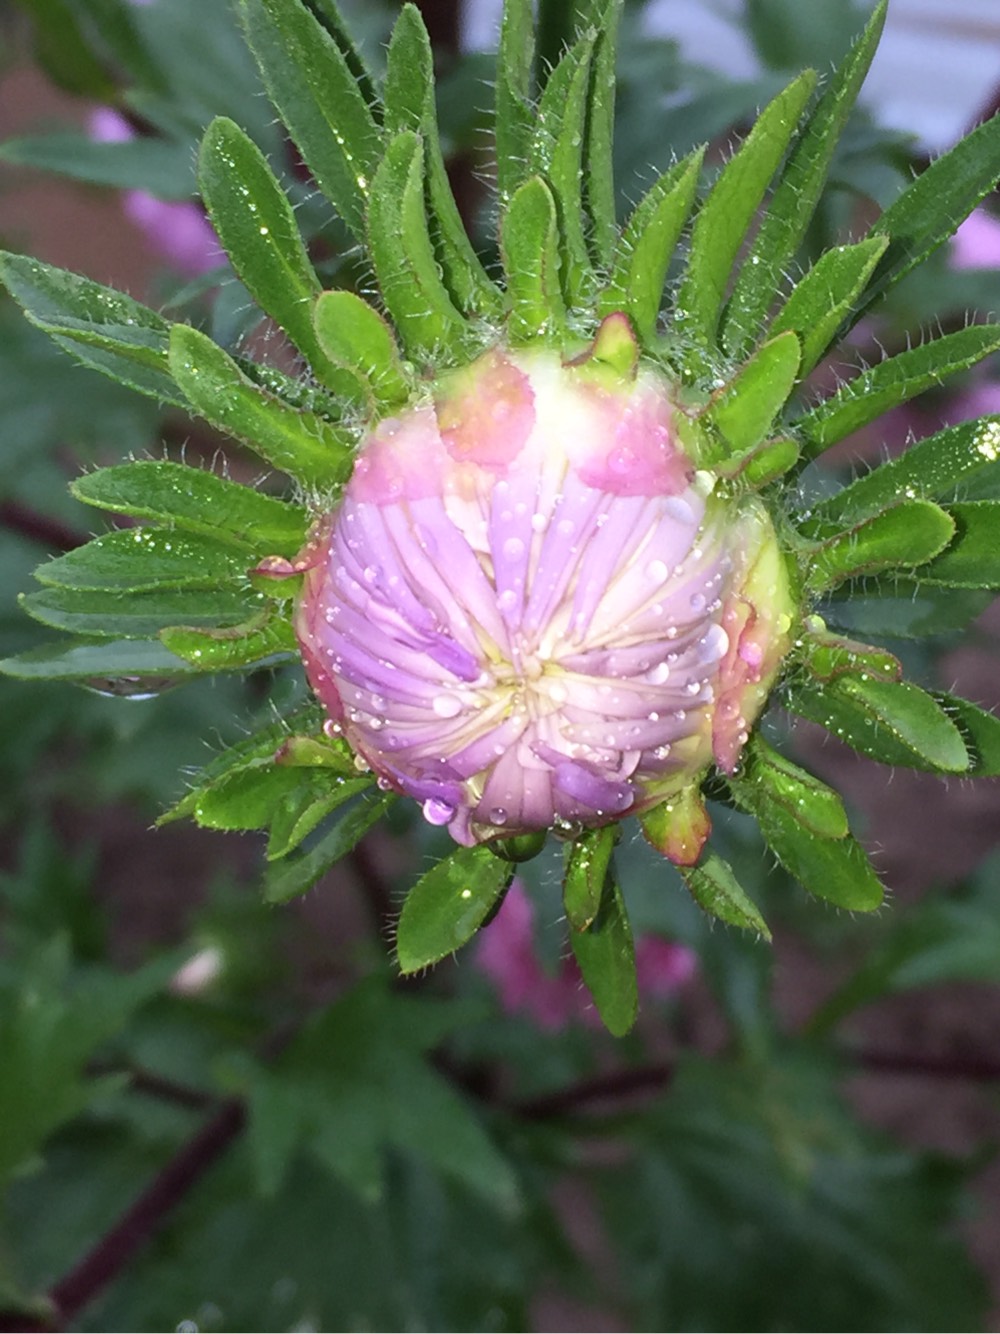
x,y
529,243
263,641
114,666
714,887
353,335
587,860
197,501
135,559
909,534
112,615
605,953
300,443
448,904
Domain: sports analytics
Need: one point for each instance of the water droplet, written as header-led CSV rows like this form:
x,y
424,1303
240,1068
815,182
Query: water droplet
x,y
447,706
658,674
565,527
498,815
438,812
507,600
697,602
657,571
513,548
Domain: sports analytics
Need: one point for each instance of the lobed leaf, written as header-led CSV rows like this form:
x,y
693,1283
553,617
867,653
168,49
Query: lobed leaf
x,y
605,953
529,243
448,904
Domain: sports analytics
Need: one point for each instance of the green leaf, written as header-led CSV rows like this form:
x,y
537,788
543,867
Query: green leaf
x,y
980,731
103,328
598,165
302,444
744,410
403,256
157,165
298,872
145,558
892,721
818,304
448,905
714,887
257,227
639,269
304,810
248,797
793,203
355,336
113,667
587,860
605,953
114,615
972,560
409,105
262,641
198,501
934,468
317,94
557,156
892,382
722,223
827,656
803,796
927,213
906,609
529,243
328,13
515,114
908,534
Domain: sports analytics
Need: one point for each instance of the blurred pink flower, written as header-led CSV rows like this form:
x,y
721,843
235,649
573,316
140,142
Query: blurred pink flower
x,y
177,230
505,951
976,244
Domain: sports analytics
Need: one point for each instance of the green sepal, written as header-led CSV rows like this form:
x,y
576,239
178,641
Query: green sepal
x,y
827,656
744,411
926,214
892,382
794,199
714,887
834,869
317,94
529,243
598,165
403,256
409,105
817,305
892,721
587,860
197,501
302,444
113,614
557,156
97,325
643,255
605,953
678,827
111,666
354,335
255,223
264,641
298,872
723,220
972,560
907,535
980,731
447,905
515,112
777,780
141,558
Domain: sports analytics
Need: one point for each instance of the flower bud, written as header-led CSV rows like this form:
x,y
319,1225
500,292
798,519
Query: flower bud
x,y
529,609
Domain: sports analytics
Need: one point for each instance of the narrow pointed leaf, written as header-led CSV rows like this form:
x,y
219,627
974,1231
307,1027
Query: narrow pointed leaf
x,y
529,241
112,666
980,731
926,214
299,872
263,641
598,167
318,97
794,201
300,813
972,559
114,615
907,535
355,336
714,888
892,382
722,223
447,905
409,105
403,255
197,501
328,13
745,410
767,777
934,468
892,721
254,220
818,304
587,860
305,446
515,114
103,328
835,869
557,156
647,245
605,953
143,558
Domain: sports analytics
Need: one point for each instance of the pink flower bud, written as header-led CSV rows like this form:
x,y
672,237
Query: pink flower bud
x,y
530,610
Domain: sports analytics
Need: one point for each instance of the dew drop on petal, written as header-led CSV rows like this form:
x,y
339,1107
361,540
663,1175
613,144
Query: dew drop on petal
x,y
447,706
438,812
